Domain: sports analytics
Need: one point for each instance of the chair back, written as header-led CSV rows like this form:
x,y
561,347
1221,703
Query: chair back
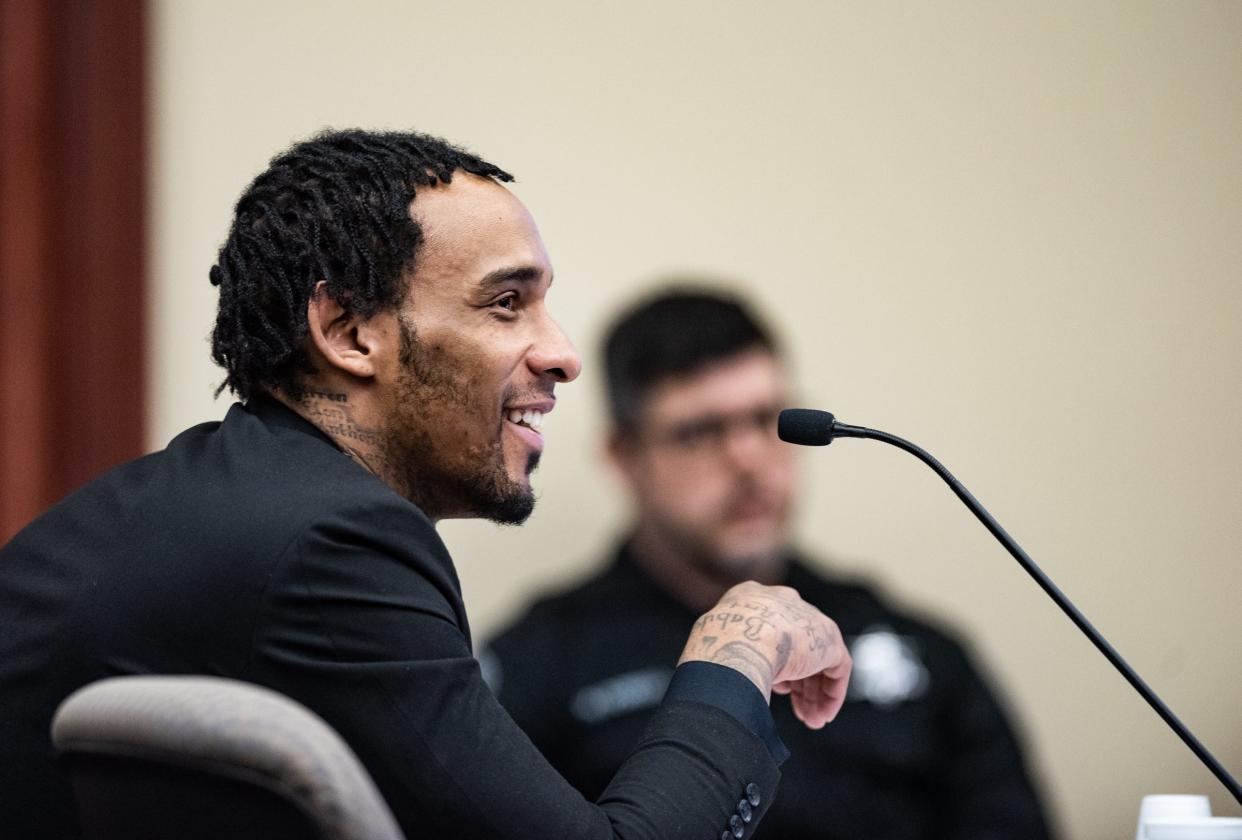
x,y
206,757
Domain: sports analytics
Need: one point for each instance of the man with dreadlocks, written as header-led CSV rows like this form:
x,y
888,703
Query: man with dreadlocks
x,y
383,321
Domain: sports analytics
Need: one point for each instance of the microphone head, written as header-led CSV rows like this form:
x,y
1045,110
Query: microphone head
x,y
805,426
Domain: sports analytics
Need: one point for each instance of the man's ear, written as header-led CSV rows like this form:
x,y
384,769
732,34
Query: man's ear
x,y
345,340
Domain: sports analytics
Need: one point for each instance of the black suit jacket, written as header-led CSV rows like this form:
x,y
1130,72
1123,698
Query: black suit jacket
x,y
255,549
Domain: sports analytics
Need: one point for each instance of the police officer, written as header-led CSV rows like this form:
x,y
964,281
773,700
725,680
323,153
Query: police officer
x,y
922,748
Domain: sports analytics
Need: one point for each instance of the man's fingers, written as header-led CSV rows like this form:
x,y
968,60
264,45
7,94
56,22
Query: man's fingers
x,y
817,699
809,706
836,684
833,697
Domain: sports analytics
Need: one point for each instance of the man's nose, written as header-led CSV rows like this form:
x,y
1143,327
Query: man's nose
x,y
747,445
554,354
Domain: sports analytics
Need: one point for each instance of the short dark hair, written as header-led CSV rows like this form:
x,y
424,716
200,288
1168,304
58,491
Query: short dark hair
x,y
334,208
676,332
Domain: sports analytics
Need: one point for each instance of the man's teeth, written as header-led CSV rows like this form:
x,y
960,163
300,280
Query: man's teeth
x,y
533,419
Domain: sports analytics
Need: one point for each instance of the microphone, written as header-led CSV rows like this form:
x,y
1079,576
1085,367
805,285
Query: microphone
x,y
809,427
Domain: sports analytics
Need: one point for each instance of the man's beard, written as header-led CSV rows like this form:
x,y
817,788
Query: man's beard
x,y
734,567
444,483
700,547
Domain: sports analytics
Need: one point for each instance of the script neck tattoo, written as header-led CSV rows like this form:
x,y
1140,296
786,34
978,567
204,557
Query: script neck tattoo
x,y
334,415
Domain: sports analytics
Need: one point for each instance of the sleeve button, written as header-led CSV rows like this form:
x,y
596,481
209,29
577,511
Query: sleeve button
x,y
752,793
744,810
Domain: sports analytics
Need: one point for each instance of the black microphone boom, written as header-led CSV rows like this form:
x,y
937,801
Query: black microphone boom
x,y
809,427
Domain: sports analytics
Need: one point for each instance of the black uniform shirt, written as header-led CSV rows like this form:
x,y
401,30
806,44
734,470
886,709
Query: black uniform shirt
x,y
920,750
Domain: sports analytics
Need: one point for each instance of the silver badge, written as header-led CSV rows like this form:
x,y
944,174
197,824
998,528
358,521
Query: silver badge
x,y
887,668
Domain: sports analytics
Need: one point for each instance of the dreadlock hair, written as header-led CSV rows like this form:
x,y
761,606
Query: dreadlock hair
x,y
676,332
335,208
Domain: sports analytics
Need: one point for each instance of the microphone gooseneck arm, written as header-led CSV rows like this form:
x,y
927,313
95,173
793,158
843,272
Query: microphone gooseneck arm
x,y
818,428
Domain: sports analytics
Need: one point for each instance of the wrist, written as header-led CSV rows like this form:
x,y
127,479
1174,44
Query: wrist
x,y
750,658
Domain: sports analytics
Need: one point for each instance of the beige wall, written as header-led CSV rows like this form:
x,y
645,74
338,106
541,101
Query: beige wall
x,y
1008,231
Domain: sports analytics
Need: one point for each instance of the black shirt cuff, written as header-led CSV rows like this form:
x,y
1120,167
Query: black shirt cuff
x,y
732,693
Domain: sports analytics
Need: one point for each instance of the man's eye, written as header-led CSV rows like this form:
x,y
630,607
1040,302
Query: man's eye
x,y
688,436
694,435
508,302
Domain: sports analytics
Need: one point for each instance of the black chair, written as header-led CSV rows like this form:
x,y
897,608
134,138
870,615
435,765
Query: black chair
x,y
204,757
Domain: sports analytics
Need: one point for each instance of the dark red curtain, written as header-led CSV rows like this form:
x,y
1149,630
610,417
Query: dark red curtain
x,y
72,246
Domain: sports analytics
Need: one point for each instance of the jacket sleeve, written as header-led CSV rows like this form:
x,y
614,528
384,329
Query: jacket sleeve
x,y
363,623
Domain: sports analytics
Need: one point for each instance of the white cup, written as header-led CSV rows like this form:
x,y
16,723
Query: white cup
x,y
1195,828
1170,807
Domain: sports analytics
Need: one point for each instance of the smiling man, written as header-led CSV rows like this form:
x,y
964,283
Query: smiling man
x,y
383,321
452,420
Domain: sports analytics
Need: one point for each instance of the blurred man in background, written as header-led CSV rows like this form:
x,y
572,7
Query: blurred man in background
x,y
922,748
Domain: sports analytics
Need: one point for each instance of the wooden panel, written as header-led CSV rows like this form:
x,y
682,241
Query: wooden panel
x,y
26,211
72,247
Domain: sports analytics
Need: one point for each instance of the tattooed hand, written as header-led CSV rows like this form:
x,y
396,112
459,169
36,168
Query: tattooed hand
x,y
780,643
